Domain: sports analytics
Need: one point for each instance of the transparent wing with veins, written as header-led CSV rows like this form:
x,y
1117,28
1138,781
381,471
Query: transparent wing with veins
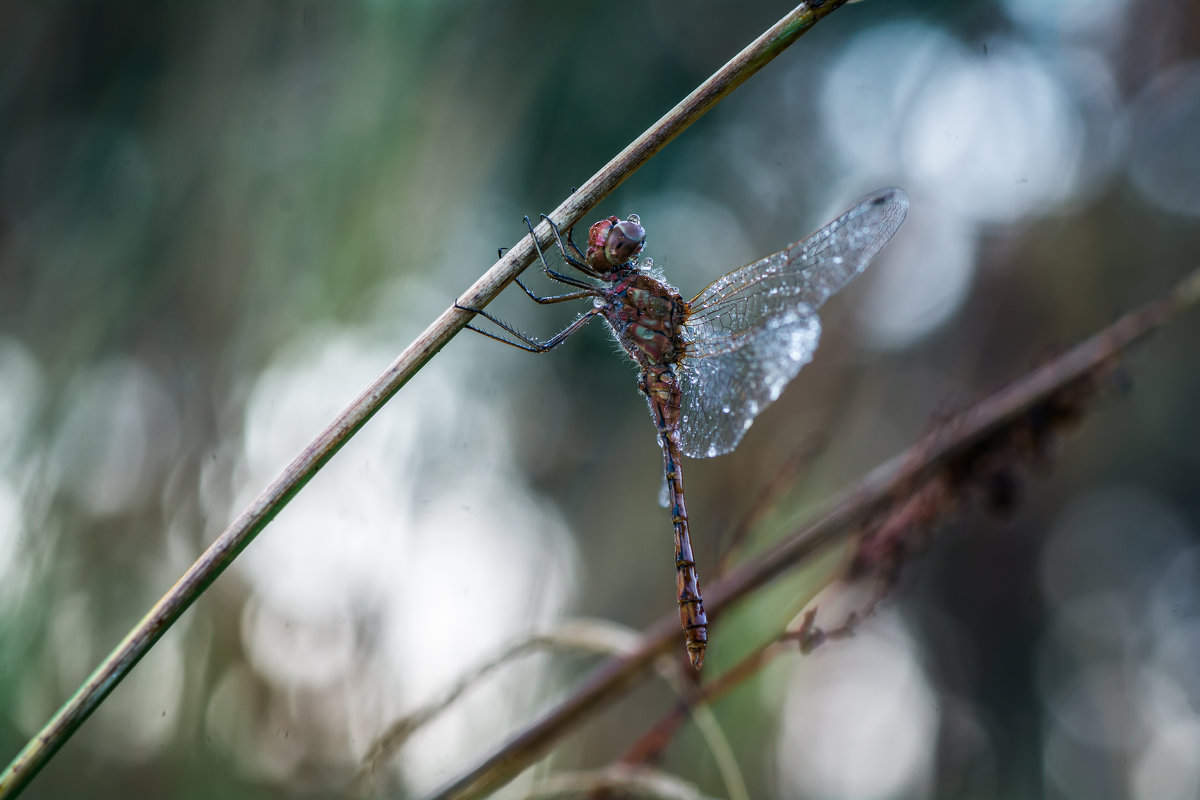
x,y
750,332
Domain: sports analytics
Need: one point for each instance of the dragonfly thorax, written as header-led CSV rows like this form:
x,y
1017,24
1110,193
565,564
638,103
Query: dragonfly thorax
x,y
613,243
647,317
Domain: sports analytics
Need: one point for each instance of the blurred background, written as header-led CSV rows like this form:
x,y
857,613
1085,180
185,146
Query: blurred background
x,y
219,221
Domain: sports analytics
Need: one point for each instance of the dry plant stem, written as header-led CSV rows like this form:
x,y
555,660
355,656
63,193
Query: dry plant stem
x,y
883,485
250,522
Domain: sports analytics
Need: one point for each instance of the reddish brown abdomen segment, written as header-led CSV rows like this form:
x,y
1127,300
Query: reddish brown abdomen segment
x,y
662,393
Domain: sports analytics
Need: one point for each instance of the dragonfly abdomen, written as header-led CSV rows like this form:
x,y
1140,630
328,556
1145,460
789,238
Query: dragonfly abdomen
x,y
662,394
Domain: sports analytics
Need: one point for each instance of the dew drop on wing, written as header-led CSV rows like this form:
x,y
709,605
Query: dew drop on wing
x,y
664,494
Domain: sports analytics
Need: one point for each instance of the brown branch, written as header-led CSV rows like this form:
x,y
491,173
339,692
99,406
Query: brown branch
x,y
887,486
38,751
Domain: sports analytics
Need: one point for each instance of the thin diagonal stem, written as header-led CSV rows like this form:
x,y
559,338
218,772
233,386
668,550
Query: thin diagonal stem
x,y
38,751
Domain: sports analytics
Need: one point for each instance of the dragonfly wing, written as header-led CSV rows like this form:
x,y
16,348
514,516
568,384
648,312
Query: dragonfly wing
x,y
751,331
725,384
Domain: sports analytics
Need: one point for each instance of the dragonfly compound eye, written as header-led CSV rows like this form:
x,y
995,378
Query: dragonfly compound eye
x,y
624,241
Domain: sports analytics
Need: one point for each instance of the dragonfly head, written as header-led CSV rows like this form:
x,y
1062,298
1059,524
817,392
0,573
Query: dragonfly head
x,y
613,242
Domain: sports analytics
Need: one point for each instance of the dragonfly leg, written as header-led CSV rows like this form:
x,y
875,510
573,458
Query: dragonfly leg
x,y
587,290
574,246
561,298
527,343
558,298
571,241
578,263
554,274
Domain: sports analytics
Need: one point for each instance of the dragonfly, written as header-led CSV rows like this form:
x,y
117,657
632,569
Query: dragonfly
x,y
707,366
